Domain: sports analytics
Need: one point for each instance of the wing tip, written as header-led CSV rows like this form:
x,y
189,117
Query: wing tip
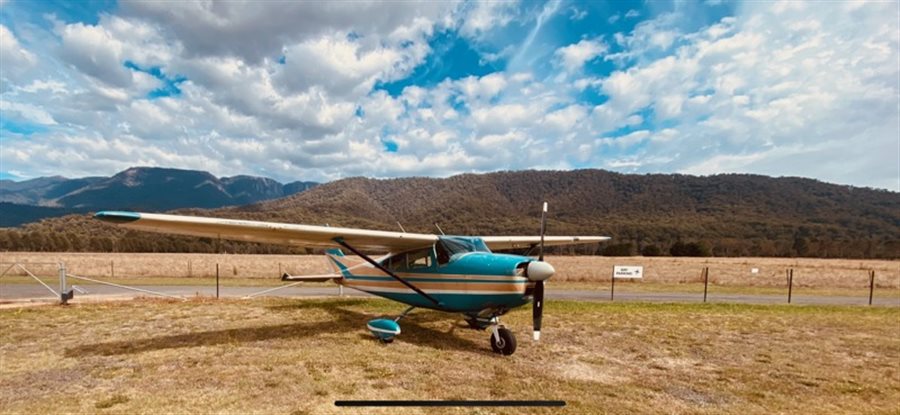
x,y
115,216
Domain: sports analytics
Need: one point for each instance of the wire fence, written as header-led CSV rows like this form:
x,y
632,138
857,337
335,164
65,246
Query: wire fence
x,y
712,279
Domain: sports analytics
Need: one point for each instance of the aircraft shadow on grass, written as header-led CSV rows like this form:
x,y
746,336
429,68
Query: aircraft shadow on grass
x,y
342,320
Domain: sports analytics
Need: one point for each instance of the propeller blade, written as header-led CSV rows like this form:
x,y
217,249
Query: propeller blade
x,y
537,302
537,309
543,228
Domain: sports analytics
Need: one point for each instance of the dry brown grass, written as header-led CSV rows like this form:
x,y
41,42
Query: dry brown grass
x,y
288,356
808,272
122,265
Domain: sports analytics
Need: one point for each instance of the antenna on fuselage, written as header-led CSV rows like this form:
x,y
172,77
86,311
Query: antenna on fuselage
x,y
439,228
401,227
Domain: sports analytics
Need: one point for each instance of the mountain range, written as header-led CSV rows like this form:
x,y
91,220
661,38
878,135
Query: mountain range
x,y
138,188
726,215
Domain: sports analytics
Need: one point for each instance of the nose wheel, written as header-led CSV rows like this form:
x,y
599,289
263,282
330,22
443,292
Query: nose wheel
x,y
503,341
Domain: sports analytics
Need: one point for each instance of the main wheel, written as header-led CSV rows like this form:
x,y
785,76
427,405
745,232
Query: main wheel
x,y
506,344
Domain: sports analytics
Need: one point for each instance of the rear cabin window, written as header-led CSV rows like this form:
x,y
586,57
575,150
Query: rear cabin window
x,y
408,261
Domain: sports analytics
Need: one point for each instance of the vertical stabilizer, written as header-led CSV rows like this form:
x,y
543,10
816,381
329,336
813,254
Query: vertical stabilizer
x,y
340,263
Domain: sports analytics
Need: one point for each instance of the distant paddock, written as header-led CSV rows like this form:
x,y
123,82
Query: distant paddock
x,y
770,272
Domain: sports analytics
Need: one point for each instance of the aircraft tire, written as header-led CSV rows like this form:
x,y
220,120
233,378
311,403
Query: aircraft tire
x,y
506,345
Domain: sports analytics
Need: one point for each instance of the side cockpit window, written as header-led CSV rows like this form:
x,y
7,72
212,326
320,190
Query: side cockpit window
x,y
443,255
410,261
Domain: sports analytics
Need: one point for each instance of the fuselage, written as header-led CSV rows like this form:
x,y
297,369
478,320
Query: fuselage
x,y
461,273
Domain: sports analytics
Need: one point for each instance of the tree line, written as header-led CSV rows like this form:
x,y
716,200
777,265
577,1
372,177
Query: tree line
x,y
669,215
116,240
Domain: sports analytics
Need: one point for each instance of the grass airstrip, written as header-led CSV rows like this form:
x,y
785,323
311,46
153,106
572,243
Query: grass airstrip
x,y
300,355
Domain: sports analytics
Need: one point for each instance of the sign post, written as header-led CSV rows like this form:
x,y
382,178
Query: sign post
x,y
612,286
631,272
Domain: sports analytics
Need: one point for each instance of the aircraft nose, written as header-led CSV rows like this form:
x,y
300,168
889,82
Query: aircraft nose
x,y
539,271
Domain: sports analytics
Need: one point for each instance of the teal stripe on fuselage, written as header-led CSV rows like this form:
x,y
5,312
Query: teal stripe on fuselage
x,y
432,279
458,302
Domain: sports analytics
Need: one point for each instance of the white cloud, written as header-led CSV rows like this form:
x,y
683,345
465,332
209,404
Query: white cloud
x,y
253,31
810,92
758,88
49,85
95,52
26,112
577,14
484,88
338,65
16,60
484,16
574,56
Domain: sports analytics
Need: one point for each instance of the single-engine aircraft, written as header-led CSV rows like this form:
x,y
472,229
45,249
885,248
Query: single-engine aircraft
x,y
457,274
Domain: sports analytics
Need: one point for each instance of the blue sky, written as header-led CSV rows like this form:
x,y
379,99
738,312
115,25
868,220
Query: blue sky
x,y
318,91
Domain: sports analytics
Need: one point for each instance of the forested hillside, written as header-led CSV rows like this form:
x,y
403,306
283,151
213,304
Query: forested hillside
x,y
723,215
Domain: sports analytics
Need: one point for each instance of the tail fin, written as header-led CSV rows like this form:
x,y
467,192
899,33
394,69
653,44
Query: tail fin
x,y
339,262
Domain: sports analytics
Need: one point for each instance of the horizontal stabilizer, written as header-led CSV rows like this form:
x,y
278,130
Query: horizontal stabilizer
x,y
310,278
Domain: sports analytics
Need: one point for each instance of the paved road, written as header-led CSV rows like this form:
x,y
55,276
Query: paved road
x,y
29,292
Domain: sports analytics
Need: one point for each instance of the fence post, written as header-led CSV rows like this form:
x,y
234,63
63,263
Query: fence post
x,y
705,282
871,284
63,295
612,286
217,280
112,270
190,269
790,273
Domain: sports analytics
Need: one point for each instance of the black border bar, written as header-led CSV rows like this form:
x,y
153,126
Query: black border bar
x,y
439,403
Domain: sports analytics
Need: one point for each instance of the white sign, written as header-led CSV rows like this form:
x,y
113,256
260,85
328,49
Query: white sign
x,y
628,271
754,270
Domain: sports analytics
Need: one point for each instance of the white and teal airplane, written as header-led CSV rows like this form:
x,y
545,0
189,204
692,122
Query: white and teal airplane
x,y
457,274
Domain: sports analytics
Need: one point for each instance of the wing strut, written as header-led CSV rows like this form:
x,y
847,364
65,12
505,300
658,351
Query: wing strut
x,y
341,242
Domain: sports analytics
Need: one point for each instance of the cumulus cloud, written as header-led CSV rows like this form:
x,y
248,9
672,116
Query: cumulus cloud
x,y
16,60
484,16
290,91
343,67
772,85
253,31
574,56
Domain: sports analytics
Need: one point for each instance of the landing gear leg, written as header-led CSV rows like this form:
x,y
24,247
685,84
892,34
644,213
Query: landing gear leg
x,y
502,339
404,313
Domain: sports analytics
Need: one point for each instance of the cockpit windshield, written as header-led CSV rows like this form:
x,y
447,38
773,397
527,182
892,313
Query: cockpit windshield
x,y
462,244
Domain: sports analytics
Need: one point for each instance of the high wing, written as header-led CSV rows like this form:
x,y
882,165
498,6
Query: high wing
x,y
496,243
309,235
268,232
